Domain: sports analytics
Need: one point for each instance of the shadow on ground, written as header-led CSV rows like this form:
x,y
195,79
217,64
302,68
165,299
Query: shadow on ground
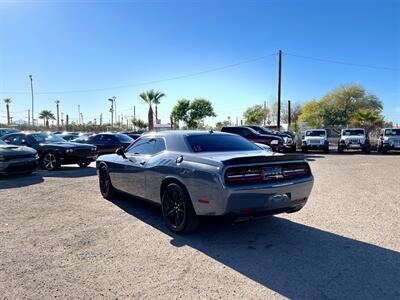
x,y
16,181
294,260
70,172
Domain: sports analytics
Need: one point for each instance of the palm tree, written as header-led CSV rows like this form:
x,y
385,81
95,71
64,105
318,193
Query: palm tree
x,y
46,115
149,97
7,101
367,118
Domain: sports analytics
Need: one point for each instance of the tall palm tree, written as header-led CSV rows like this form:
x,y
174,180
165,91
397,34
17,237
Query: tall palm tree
x,y
7,101
149,97
46,115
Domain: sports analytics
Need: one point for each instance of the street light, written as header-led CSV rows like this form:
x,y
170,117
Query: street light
x,y
33,113
58,114
112,100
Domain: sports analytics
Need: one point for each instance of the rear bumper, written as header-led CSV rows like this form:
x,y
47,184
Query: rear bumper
x,y
18,166
271,198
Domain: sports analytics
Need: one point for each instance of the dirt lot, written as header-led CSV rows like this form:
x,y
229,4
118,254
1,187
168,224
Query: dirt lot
x,y
60,239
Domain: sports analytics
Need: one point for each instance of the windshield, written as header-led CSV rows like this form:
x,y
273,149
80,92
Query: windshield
x,y
220,143
47,138
263,130
315,133
392,132
353,132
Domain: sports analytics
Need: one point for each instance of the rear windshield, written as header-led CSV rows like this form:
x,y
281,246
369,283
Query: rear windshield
x,y
315,133
353,132
124,138
220,143
392,131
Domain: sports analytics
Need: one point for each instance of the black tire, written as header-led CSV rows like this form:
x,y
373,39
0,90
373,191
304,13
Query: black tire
x,y
106,188
340,150
50,161
384,150
177,208
304,150
367,150
326,151
84,164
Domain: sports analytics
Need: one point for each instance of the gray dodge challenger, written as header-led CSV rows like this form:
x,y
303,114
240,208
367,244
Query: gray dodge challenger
x,y
201,173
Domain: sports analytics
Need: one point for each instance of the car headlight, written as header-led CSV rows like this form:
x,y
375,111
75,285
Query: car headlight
x,y
2,158
274,142
69,150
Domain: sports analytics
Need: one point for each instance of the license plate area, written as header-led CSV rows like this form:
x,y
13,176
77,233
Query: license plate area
x,y
273,172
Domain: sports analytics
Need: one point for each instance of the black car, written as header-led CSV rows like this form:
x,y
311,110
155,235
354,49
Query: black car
x,y
288,140
4,131
107,143
53,151
17,159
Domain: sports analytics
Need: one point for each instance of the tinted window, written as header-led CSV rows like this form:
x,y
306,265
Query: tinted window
x,y
159,145
230,129
392,132
14,139
143,146
219,143
107,139
123,138
315,133
353,132
46,138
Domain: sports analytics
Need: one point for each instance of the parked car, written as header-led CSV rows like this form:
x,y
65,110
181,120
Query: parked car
x,y
17,159
315,139
389,139
53,150
194,173
275,142
4,131
354,139
288,141
107,143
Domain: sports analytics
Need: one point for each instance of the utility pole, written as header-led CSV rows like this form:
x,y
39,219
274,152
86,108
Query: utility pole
x,y
58,114
82,121
112,99
29,117
101,119
62,120
33,114
289,114
279,90
79,114
66,122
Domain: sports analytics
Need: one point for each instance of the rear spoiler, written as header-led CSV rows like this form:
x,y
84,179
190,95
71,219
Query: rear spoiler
x,y
263,159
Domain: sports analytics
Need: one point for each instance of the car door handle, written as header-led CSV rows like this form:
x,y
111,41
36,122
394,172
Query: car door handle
x,y
142,162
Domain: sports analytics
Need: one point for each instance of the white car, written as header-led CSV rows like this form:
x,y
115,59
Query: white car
x,y
315,139
354,139
389,139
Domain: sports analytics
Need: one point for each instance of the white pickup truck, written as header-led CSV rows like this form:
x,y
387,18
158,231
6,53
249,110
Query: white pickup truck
x,y
354,139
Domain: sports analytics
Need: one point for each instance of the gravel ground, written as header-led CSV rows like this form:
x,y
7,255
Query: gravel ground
x,y
60,239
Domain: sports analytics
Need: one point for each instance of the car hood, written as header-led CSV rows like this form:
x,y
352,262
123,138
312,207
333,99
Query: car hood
x,y
15,150
271,136
314,138
67,145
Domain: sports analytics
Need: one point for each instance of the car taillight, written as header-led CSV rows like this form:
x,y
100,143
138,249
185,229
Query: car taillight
x,y
295,170
244,176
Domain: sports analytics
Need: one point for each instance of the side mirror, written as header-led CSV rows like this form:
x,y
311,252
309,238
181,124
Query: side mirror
x,y
121,152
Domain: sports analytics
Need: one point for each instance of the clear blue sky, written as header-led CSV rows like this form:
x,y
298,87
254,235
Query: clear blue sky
x,y
69,46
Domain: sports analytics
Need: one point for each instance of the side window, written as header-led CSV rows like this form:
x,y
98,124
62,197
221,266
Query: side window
x,y
94,139
107,139
143,146
159,146
14,139
245,133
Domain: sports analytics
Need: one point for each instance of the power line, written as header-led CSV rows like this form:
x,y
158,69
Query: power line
x,y
344,63
152,81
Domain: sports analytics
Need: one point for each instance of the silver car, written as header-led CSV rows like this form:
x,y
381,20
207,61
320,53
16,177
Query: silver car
x,y
201,173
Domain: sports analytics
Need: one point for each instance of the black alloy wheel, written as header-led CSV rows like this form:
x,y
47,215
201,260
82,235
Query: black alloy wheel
x,y
177,208
106,188
50,161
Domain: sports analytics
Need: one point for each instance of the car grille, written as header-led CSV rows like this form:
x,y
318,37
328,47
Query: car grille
x,y
21,168
354,141
314,142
